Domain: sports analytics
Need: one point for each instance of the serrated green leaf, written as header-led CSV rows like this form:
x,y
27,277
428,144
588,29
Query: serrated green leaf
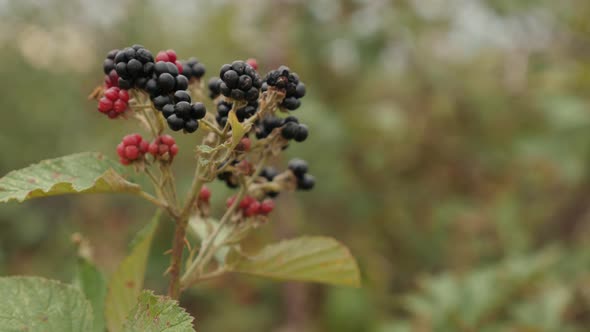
x,y
126,283
316,259
158,314
87,172
237,129
35,304
94,286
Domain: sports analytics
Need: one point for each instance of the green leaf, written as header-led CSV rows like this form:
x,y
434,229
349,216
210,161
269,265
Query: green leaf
x,y
316,259
238,130
36,304
87,172
158,314
93,284
127,281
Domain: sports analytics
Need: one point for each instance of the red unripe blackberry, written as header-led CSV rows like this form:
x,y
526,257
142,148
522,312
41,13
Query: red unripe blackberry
x,y
244,145
164,147
114,102
162,56
252,210
252,62
112,79
266,206
246,202
172,55
204,194
131,149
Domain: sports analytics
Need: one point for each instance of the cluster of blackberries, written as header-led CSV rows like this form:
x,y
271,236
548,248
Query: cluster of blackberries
x,y
291,128
239,81
250,207
193,69
242,113
134,66
181,114
305,181
285,80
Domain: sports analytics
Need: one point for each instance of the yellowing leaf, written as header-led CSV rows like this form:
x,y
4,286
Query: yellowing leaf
x,y
237,129
78,173
316,259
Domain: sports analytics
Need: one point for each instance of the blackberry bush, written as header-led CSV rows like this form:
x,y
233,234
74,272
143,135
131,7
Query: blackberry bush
x,y
247,132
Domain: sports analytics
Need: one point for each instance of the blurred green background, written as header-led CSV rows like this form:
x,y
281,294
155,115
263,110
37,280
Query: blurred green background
x,y
450,140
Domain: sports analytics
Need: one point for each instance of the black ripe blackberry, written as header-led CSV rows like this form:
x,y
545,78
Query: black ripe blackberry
x,y
166,80
285,80
109,63
180,113
134,65
193,69
299,167
267,125
230,179
223,108
239,81
242,113
214,87
293,130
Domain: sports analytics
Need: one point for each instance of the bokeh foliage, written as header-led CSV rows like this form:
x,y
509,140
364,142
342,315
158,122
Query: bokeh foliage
x,y
449,138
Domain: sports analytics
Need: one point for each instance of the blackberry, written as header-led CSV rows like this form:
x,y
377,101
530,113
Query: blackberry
x,y
132,148
307,182
223,108
267,125
134,65
214,87
230,179
242,113
299,168
163,148
240,81
109,63
114,102
193,69
288,82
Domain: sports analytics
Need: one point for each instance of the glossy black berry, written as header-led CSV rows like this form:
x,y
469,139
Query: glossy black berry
x,y
301,133
239,81
269,173
288,82
290,130
181,96
191,126
168,110
161,101
166,82
175,123
182,109
214,87
134,65
198,111
298,167
181,82
306,182
193,69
